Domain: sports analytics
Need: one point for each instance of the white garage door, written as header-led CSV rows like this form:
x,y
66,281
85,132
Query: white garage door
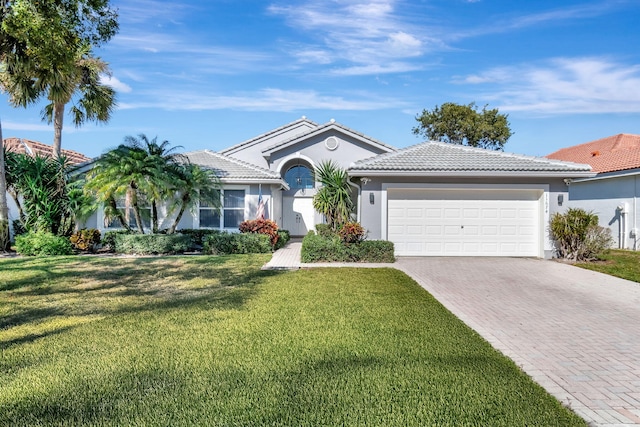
x,y
452,222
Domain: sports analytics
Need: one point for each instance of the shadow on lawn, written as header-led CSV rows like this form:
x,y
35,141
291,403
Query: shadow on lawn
x,y
112,286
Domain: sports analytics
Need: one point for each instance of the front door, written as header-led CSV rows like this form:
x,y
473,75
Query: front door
x,y
298,215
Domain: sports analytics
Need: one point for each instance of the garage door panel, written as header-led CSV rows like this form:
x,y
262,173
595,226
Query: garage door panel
x,y
486,223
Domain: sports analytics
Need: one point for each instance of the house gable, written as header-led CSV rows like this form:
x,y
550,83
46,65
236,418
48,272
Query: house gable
x,y
251,150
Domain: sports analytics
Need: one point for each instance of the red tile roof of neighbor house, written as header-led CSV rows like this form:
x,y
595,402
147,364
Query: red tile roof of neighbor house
x,y
21,145
614,153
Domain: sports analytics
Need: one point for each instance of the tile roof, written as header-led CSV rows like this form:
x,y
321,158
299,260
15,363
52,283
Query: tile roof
x,y
21,145
229,168
322,128
614,153
433,158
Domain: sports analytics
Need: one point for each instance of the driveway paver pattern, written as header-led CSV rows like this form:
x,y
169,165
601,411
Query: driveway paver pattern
x,y
576,332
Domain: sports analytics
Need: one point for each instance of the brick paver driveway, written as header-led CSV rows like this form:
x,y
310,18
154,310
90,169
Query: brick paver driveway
x,y
574,331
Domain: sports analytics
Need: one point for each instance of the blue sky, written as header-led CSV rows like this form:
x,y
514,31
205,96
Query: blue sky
x,y
212,74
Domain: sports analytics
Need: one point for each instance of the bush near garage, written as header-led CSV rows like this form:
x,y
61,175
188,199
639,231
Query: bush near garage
x,y
578,236
317,248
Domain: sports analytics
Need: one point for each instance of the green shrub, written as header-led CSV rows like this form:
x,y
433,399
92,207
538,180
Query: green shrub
x,y
198,235
375,251
316,248
325,230
148,244
578,236
283,237
225,243
42,243
109,239
86,239
261,226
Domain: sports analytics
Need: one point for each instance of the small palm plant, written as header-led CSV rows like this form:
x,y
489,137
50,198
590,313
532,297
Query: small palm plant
x,y
333,199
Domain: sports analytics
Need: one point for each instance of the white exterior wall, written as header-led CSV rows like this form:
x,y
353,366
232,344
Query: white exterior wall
x,y
603,196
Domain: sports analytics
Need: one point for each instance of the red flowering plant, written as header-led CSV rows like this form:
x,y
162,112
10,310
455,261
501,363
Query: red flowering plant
x,y
351,232
261,226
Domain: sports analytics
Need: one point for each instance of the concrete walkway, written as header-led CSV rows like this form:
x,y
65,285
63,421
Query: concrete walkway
x,y
574,331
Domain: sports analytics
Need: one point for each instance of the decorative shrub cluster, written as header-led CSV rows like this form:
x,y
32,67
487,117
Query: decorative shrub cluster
x,y
237,243
283,237
351,232
317,248
86,239
261,226
38,243
578,236
151,244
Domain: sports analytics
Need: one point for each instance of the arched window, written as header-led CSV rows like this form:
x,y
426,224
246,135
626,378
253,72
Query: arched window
x,y
299,177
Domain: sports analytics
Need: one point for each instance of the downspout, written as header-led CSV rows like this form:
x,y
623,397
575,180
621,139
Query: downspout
x,y
622,209
634,232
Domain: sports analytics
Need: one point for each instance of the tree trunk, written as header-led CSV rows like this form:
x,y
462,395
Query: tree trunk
x,y
154,217
119,215
136,210
58,117
4,207
178,218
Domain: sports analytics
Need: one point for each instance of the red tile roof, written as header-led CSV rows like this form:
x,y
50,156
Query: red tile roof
x,y
614,153
19,145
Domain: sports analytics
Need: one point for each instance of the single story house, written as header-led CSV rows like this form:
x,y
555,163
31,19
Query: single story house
x,y
613,193
430,199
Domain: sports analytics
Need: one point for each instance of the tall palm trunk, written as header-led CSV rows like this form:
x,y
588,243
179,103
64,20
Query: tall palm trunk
x,y
4,207
136,208
183,208
58,118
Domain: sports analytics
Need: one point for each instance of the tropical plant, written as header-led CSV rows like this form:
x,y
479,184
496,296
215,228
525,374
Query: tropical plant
x,y
194,185
578,236
41,183
140,171
333,199
261,226
43,35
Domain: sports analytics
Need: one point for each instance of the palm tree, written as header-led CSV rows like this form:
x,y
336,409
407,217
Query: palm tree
x,y
139,170
61,82
168,161
333,199
195,185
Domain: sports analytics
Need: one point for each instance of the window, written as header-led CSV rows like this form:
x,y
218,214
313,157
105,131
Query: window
x,y
121,205
299,177
209,216
232,210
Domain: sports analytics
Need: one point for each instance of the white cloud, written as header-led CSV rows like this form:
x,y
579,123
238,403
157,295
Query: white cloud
x,y
268,99
564,85
359,34
116,84
9,125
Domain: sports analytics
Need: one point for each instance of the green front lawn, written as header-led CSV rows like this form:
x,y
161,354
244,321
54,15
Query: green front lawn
x,y
619,263
215,341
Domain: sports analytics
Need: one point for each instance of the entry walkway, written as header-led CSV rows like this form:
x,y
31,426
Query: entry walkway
x,y
574,331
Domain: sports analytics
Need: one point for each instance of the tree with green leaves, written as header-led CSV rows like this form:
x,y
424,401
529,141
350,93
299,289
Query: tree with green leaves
x,y
44,35
140,171
333,199
194,186
465,125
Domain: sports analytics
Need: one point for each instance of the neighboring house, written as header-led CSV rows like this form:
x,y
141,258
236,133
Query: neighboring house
x,y
35,148
429,199
613,194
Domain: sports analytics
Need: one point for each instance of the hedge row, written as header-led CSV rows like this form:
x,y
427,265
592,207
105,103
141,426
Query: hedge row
x,y
123,242
316,248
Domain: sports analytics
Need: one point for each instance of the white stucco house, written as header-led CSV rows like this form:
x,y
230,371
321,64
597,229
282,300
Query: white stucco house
x,y
430,199
614,192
